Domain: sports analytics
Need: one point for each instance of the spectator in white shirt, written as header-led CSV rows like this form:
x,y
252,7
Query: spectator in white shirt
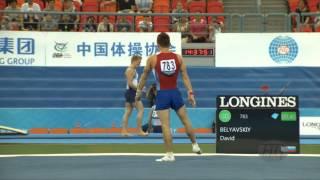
x,y
105,25
31,6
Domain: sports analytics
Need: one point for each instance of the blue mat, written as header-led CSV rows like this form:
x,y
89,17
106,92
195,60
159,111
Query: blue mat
x,y
145,168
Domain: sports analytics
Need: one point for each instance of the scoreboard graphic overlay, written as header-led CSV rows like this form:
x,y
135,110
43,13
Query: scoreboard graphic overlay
x,y
257,124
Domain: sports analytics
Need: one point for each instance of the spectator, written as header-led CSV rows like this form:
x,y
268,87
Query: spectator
x,y
304,20
90,25
12,6
5,23
79,1
66,24
68,6
144,6
31,23
126,5
303,8
145,25
30,6
179,9
214,27
123,25
48,23
15,25
198,29
105,25
151,94
182,26
51,8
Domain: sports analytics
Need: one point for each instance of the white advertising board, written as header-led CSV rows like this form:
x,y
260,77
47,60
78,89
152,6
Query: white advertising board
x,y
22,48
267,49
103,49
309,125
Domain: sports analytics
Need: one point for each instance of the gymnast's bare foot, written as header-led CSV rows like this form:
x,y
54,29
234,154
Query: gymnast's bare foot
x,y
125,133
141,133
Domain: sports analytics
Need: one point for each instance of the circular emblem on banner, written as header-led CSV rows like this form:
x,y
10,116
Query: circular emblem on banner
x,y
225,116
283,49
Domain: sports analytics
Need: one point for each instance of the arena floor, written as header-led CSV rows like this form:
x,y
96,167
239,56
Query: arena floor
x,y
143,167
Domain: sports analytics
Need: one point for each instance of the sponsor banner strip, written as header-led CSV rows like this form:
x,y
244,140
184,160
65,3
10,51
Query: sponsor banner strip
x,y
78,49
309,125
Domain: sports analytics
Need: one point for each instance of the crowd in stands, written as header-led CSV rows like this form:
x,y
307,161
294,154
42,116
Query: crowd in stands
x,y
196,28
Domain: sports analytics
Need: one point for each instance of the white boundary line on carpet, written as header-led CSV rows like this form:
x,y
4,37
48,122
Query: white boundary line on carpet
x,y
157,154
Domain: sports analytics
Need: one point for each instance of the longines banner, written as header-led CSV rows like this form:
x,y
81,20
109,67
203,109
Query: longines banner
x,y
267,49
78,49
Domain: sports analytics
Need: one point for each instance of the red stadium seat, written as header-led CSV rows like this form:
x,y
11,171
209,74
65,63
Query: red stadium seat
x,y
161,24
157,2
161,8
197,6
293,4
2,5
214,6
108,7
90,6
58,5
317,29
313,5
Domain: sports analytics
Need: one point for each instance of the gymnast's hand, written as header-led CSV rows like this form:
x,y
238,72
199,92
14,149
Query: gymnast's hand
x,y
192,99
138,95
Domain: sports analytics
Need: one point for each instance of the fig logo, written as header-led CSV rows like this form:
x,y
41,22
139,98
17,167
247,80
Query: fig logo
x,y
283,50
